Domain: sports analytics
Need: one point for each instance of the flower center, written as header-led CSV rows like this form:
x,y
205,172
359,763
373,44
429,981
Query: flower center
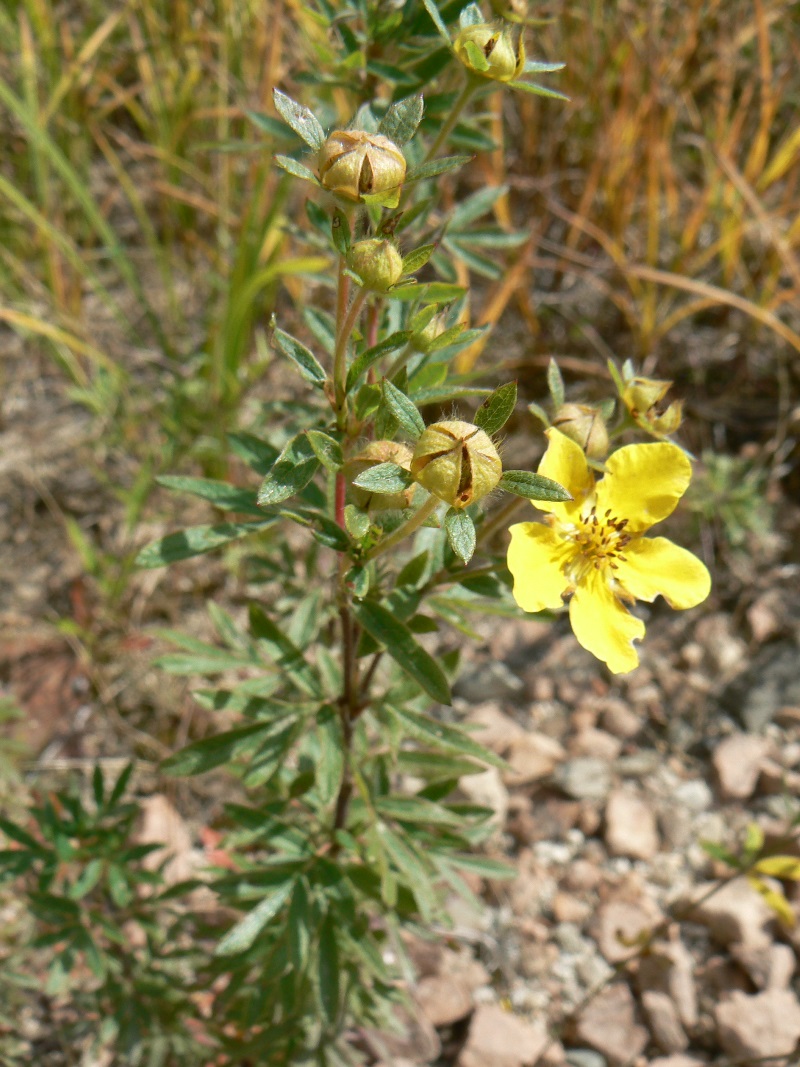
x,y
601,539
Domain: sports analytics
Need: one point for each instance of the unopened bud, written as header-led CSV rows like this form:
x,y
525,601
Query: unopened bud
x,y
584,425
641,394
457,462
422,340
370,456
490,51
377,262
355,164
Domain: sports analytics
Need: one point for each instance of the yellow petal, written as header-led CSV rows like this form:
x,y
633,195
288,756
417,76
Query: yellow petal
x,y
566,464
603,626
654,565
537,556
643,483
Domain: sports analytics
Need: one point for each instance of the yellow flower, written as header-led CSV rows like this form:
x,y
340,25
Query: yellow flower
x,y
594,548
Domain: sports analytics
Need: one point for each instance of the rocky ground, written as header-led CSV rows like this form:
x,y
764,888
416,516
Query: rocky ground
x,y
621,941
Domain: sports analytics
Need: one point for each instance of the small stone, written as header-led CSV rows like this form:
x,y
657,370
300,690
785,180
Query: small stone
x,y
608,1024
584,778
618,927
503,1040
669,969
444,999
737,763
618,719
487,790
584,1057
724,650
596,744
694,795
497,730
769,966
532,757
735,912
677,1060
758,1027
630,826
569,909
581,875
662,1018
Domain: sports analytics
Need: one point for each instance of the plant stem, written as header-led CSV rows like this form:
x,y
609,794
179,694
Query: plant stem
x,y
461,101
348,321
408,527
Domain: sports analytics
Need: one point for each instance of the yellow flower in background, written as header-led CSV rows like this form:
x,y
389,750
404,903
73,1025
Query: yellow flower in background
x,y
593,545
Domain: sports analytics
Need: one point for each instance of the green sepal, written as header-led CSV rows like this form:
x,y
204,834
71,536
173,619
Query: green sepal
x,y
401,120
403,410
304,122
292,471
460,530
555,383
538,90
399,642
533,486
477,60
303,358
471,15
535,66
497,408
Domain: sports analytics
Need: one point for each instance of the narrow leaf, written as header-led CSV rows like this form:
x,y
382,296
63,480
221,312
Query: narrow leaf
x,y
436,18
285,653
362,363
297,170
326,449
399,642
195,541
460,530
496,409
401,120
535,66
220,494
434,167
555,383
384,478
412,868
302,357
538,90
304,122
244,934
329,972
533,486
424,728
292,471
403,409
340,232
418,258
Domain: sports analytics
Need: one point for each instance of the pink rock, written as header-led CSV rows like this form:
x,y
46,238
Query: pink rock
x,y
757,1027
444,1000
669,969
497,730
618,925
630,826
532,757
595,743
737,762
501,1039
770,966
735,912
677,1060
608,1024
662,1018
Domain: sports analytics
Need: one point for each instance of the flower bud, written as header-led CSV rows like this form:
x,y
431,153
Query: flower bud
x,y
584,425
354,164
377,262
370,456
422,340
457,462
642,395
502,59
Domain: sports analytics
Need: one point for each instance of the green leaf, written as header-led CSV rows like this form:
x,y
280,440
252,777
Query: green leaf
x,y
297,170
418,258
430,293
403,410
330,762
475,206
401,120
482,865
424,728
384,478
460,530
362,363
299,927
220,494
537,90
417,810
88,879
533,486
257,454
329,971
496,409
357,522
326,449
22,837
535,66
434,167
304,122
340,232
399,642
285,653
436,18
292,471
202,756
411,866
195,541
303,358
471,15
244,934
555,383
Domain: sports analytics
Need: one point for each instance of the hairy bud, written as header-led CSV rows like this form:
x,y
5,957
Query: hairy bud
x,y
457,462
641,397
354,164
491,52
377,262
584,425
